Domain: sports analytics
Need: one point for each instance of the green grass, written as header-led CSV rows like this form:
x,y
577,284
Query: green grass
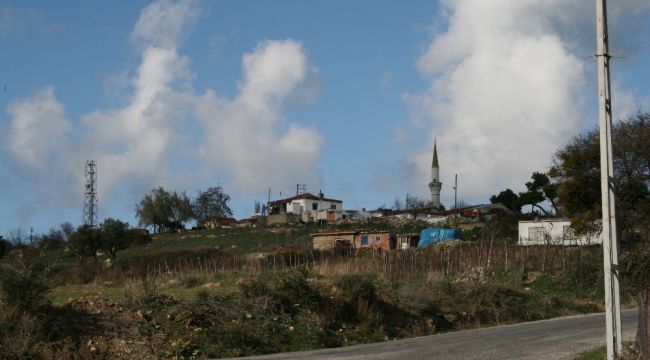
x,y
597,354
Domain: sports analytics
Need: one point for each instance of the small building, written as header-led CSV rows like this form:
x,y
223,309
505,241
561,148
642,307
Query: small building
x,y
407,241
552,232
304,205
332,215
375,240
328,240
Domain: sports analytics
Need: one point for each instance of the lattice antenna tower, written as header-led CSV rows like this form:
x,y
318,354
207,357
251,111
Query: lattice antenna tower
x,y
90,194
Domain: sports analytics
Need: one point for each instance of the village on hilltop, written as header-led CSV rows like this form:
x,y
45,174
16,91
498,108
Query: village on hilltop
x,y
440,225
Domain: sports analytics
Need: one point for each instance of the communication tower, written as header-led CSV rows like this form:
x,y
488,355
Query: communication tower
x,y
90,194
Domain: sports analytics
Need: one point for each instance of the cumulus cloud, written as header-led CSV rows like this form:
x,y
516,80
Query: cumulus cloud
x,y
136,142
165,23
505,91
37,129
246,132
163,124
507,87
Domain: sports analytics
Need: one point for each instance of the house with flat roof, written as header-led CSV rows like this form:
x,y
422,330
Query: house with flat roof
x,y
304,205
552,232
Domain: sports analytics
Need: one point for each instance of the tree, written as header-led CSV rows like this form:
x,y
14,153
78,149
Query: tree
x,y
536,193
85,242
180,210
213,204
508,198
54,239
397,204
414,202
114,237
66,230
576,170
164,210
5,247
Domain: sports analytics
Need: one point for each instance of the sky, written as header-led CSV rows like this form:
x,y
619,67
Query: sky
x,y
344,97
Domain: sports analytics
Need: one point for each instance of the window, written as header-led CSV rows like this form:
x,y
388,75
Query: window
x,y
314,206
378,239
364,240
333,206
536,234
342,243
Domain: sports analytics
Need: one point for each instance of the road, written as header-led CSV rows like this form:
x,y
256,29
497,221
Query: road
x,y
560,338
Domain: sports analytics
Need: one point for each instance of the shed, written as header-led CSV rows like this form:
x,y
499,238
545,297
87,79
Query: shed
x,y
327,240
552,232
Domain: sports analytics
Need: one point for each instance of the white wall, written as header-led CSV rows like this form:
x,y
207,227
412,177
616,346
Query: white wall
x,y
552,232
305,205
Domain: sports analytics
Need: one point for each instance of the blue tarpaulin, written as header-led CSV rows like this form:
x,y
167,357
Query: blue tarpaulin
x,y
434,235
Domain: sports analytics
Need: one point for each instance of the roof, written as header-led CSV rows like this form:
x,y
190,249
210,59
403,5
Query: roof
x,y
497,206
434,163
408,235
329,233
302,196
547,220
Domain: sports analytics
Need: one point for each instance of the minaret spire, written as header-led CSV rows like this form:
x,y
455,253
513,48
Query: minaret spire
x,y
435,185
435,154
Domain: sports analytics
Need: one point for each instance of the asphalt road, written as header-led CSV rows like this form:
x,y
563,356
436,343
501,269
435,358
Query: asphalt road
x,y
561,338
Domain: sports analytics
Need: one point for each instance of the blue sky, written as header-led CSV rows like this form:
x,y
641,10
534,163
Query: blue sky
x,y
343,96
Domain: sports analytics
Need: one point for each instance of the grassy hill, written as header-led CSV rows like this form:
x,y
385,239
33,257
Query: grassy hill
x,y
233,292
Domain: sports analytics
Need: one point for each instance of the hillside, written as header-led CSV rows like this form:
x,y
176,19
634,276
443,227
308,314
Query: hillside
x,y
233,292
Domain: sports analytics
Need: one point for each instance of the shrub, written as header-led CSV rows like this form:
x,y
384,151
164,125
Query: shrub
x,y
295,288
22,291
191,282
22,285
5,247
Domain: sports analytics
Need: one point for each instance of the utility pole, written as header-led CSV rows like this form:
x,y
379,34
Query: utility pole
x,y
300,187
609,237
456,199
455,191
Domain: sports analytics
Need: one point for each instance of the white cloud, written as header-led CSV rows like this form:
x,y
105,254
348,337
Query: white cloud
x,y
505,91
244,142
165,23
37,129
245,133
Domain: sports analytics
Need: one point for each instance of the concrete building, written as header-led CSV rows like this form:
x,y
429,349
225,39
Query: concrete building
x,y
340,214
374,240
304,205
328,240
435,185
552,232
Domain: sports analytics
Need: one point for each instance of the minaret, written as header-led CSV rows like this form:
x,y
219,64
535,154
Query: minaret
x,y
435,185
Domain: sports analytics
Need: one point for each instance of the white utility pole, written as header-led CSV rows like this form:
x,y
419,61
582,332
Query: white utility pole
x,y
610,242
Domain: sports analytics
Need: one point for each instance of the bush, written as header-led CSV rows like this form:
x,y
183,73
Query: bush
x,y
5,247
22,291
139,236
22,285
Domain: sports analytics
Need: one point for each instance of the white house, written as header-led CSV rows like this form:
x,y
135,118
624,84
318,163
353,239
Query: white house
x,y
552,232
305,205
